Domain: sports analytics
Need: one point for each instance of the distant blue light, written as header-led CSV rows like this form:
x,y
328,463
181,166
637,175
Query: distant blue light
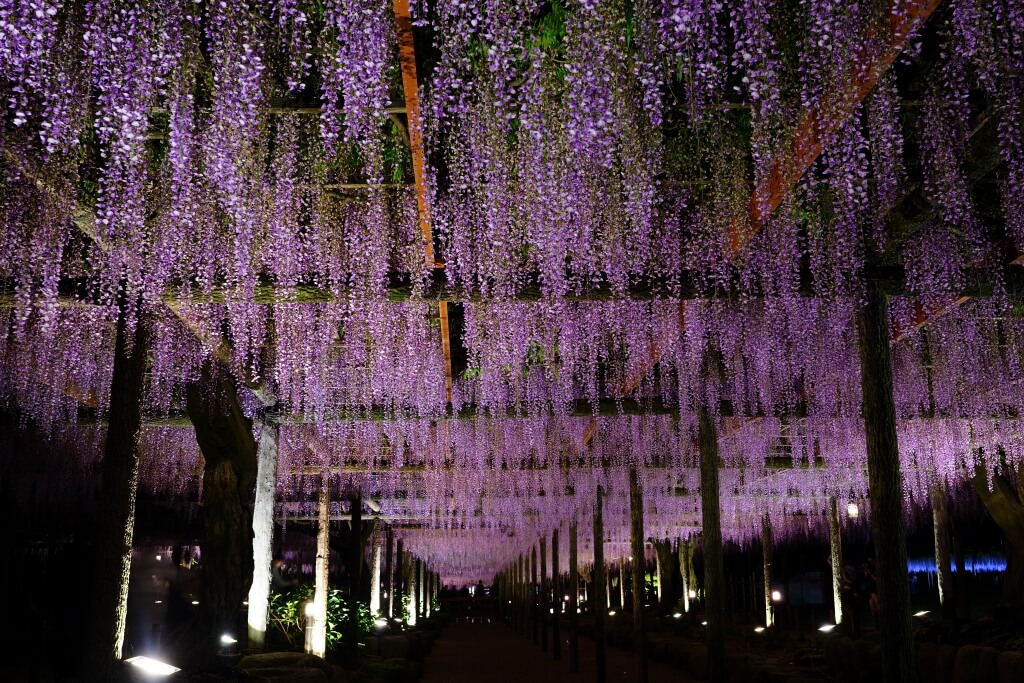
x,y
977,564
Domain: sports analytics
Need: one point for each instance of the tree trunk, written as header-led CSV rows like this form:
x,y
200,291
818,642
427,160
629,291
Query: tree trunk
x,y
375,574
532,594
668,564
714,569
263,534
225,439
1004,505
885,486
389,573
116,521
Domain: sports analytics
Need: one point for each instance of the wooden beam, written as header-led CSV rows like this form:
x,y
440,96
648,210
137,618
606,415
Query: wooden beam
x,y
827,116
410,86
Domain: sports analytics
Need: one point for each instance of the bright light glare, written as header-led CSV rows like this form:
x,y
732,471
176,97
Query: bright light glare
x,y
852,510
693,594
381,623
227,639
703,623
310,609
152,667
827,627
611,613
776,596
195,602
759,629
921,613
159,557
677,615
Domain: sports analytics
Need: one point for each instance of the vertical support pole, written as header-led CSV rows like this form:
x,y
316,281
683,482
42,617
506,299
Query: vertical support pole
x,y
622,583
544,593
316,643
378,552
836,559
263,534
421,593
556,637
600,593
636,537
714,569
389,572
943,566
766,556
533,595
885,486
398,591
684,571
574,602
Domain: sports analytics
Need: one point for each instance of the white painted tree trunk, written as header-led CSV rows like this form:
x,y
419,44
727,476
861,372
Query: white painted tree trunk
x,y
263,535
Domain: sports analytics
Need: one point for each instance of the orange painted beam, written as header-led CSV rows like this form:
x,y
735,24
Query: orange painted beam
x,y
410,86
825,118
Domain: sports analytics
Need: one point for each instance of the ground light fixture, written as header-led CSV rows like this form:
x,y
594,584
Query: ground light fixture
x,y
611,613
776,596
759,629
703,623
921,613
827,628
677,615
152,667
693,594
228,639
852,510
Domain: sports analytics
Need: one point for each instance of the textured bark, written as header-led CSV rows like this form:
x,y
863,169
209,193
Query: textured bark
x,y
116,521
375,574
225,439
600,595
668,569
1003,503
263,534
636,538
714,568
389,573
885,487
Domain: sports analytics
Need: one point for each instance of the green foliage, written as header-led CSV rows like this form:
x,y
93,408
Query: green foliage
x,y
349,621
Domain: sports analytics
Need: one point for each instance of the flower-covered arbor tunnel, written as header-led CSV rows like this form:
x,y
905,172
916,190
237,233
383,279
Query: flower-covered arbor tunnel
x,y
481,267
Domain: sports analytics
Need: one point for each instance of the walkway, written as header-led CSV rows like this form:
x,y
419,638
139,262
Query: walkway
x,y
493,652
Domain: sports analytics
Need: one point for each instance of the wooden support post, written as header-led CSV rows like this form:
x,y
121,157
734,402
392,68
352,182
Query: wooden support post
x,y
389,573
636,538
263,534
943,566
398,588
355,559
622,583
684,572
556,592
836,559
885,488
600,594
714,569
574,602
544,593
766,556
375,574
533,595
317,643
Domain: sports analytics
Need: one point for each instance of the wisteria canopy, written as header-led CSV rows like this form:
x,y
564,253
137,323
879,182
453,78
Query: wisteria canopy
x,y
476,306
